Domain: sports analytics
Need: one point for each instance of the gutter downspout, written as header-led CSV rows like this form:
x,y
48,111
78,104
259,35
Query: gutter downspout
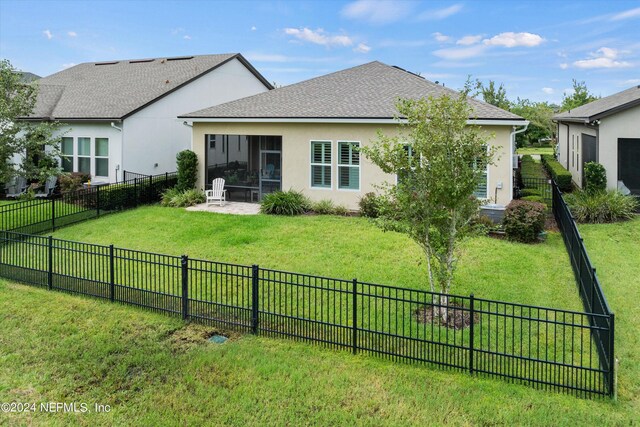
x,y
512,143
118,167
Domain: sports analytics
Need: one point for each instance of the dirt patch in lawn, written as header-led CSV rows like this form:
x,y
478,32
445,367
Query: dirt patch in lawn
x,y
457,317
193,335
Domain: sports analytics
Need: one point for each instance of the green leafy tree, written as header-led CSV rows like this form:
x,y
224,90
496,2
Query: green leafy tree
x,y
34,144
540,116
187,163
494,95
439,161
580,96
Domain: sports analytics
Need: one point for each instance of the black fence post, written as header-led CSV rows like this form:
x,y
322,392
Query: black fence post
x,y
50,270
184,262
135,191
98,201
612,356
53,214
255,272
112,279
471,331
354,338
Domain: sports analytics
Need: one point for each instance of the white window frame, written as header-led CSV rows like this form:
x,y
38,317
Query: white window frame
x,y
338,165
96,157
312,164
84,156
71,156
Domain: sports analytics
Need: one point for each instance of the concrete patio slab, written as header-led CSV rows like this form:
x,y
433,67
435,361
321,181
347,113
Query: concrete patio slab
x,y
234,208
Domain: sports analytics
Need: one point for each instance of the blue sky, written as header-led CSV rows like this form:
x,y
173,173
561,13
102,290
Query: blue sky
x,y
534,47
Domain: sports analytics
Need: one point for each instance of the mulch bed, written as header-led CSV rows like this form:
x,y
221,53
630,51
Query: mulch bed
x,y
456,318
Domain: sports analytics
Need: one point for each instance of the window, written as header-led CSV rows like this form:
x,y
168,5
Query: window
x,y
102,156
481,190
212,142
348,165
573,148
84,155
66,156
321,164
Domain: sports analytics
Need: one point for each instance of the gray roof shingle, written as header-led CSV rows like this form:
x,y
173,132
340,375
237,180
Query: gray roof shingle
x,y
368,91
116,89
603,106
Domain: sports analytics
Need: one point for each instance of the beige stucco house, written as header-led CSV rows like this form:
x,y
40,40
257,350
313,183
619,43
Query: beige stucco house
x,y
305,136
606,131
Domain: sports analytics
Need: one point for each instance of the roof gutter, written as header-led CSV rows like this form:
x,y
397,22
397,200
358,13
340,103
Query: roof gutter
x,y
381,120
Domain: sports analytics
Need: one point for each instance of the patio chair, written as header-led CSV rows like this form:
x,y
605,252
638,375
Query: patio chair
x,y
17,186
49,186
217,192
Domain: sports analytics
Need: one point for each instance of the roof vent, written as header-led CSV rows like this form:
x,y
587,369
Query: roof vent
x,y
140,61
179,58
406,71
107,63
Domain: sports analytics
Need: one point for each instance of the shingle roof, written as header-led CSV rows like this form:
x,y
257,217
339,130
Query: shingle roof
x,y
368,91
115,89
603,106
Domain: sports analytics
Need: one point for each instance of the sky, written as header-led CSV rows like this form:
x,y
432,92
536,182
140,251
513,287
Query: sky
x,y
534,48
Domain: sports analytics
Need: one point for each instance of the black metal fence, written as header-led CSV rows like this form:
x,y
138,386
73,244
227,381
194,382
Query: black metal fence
x,y
40,215
542,186
591,293
542,347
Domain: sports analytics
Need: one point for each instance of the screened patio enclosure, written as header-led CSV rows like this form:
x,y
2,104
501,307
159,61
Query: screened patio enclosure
x,y
251,165
629,163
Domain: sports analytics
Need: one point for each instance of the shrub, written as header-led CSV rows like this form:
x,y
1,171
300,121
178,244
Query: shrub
x,y
323,207
481,224
72,181
285,203
370,205
602,206
560,175
187,170
526,192
179,199
534,198
595,177
529,168
524,220
341,210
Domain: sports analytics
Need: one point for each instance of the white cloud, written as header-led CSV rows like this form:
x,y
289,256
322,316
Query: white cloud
x,y
548,90
176,31
403,43
511,39
253,28
47,34
564,66
469,40
318,37
460,53
377,11
441,37
69,65
362,48
438,14
186,37
72,34
604,57
627,14
631,82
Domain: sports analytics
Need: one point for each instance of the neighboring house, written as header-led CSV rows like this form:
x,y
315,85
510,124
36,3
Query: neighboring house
x,y
304,136
606,131
121,115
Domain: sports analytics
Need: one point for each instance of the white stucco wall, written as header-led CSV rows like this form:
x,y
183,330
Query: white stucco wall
x,y
571,152
625,124
155,134
96,130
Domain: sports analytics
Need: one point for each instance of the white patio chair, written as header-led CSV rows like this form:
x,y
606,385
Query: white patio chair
x,y
49,186
17,187
217,192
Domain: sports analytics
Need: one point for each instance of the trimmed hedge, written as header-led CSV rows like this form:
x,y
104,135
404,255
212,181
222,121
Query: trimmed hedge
x,y
530,169
560,175
595,177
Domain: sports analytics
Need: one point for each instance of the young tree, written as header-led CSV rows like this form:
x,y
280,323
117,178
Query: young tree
x,y
494,96
439,161
33,143
580,96
540,116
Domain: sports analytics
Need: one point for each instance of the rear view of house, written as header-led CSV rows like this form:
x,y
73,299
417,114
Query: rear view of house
x,y
306,136
606,131
121,115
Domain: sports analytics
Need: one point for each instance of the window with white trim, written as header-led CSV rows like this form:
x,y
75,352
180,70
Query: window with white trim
x,y
84,155
321,164
481,191
66,154
348,165
102,156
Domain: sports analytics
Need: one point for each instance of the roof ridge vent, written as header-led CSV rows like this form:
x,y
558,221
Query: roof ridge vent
x,y
106,63
407,71
179,58
140,61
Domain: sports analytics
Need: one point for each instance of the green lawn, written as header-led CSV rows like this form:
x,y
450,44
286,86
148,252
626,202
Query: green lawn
x,y
615,252
535,150
153,371
340,247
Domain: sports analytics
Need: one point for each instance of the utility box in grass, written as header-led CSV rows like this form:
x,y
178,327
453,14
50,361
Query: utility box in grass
x,y
493,211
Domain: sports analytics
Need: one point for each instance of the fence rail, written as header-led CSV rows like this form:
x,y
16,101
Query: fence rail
x,y
542,347
591,293
41,215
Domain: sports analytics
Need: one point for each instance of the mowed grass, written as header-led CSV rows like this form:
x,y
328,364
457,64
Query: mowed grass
x,y
340,247
535,150
152,370
614,250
